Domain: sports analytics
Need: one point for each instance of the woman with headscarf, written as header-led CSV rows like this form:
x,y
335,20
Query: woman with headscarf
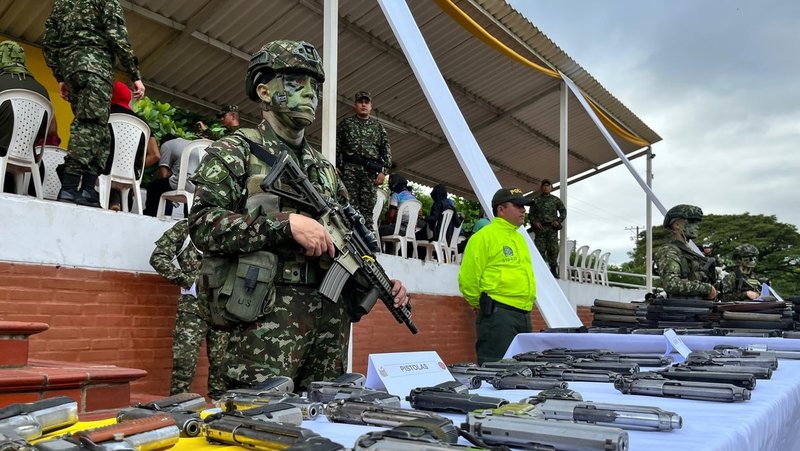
x,y
15,75
434,220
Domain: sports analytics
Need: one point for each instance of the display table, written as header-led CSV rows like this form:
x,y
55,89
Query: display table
x,y
770,420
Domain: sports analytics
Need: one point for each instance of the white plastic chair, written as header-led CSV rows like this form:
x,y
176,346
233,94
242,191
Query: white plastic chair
x,y
191,156
378,208
30,109
52,157
587,270
601,269
452,248
575,268
409,209
129,133
440,244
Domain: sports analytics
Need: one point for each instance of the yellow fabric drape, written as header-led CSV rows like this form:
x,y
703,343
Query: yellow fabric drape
x,y
473,27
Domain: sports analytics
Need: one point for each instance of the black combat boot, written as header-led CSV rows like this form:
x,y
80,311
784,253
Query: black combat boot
x,y
89,196
69,189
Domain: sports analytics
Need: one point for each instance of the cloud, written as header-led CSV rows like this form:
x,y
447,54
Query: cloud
x,y
715,79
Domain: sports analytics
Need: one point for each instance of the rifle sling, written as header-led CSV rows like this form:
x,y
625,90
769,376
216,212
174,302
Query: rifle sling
x,y
260,152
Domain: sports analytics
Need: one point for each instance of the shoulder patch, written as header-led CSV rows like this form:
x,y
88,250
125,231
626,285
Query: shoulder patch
x,y
213,171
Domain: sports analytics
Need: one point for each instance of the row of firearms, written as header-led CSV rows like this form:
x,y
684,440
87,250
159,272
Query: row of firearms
x,y
270,416
755,319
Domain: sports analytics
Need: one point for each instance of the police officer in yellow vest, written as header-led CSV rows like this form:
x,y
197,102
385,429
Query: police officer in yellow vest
x,y
264,257
496,277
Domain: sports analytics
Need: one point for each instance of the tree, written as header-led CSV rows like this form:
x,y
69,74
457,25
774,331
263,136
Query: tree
x,y
778,244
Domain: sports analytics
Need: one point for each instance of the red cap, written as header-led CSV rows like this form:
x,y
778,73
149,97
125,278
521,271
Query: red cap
x,y
121,95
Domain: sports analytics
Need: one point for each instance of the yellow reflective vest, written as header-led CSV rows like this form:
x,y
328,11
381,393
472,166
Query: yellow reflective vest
x,y
497,261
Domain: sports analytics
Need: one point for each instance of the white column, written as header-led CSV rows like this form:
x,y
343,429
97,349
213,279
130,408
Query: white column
x,y
564,172
330,45
648,261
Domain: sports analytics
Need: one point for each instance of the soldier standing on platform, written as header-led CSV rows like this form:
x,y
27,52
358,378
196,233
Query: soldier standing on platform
x,y
81,40
740,284
547,216
178,261
363,156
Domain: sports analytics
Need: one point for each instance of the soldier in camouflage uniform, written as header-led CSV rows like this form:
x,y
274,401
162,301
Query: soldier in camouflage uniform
x,y
81,40
683,272
740,284
363,156
177,260
546,216
297,333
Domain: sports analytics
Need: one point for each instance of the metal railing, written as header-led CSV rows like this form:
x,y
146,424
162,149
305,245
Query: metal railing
x,y
629,285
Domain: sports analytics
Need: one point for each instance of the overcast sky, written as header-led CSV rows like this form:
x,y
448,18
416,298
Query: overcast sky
x,y
716,79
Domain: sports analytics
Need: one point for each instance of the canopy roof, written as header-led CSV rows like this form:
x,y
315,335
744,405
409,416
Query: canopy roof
x,y
195,53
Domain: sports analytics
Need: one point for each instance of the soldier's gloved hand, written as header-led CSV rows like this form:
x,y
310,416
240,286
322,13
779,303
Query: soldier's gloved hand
x,y
310,234
400,294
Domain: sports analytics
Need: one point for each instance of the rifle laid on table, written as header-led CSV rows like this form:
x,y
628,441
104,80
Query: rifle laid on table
x,y
355,244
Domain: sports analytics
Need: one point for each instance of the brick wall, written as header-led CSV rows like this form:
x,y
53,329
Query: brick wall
x,y
126,319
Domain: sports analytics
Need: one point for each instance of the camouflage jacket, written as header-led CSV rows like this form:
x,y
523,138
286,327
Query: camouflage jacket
x,y
86,35
735,285
221,222
681,270
546,209
171,246
363,138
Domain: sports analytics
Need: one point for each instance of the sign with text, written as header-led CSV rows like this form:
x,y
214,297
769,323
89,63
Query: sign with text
x,y
399,373
674,342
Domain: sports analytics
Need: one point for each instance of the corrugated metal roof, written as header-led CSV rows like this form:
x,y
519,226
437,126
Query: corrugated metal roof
x,y
194,54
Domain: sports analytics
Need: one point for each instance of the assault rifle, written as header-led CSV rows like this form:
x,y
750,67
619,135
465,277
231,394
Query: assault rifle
x,y
518,425
152,433
31,420
744,380
354,412
259,435
702,359
759,350
569,405
719,357
655,385
560,371
355,244
759,373
184,408
512,377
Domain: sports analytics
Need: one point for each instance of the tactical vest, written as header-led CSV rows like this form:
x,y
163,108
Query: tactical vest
x,y
243,289
692,264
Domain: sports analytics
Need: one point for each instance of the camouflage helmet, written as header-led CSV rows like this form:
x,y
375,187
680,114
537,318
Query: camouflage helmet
x,y
682,211
745,250
282,56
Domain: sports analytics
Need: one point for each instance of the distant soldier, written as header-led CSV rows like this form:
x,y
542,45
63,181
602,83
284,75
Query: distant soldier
x,y
178,261
81,40
683,271
363,156
741,284
547,216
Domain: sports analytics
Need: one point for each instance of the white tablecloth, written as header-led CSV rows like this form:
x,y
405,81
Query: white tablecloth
x,y
770,420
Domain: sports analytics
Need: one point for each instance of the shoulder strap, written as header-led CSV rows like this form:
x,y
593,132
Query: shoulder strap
x,y
260,152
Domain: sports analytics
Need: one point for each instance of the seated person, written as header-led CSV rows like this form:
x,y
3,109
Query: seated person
x,y
400,193
14,74
120,103
169,166
434,220
741,284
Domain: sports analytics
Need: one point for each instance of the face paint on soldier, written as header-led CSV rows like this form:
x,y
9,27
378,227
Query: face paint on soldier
x,y
293,97
690,229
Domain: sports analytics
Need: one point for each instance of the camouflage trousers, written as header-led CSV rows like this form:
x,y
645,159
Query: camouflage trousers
x,y
546,242
190,331
303,336
361,189
89,139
